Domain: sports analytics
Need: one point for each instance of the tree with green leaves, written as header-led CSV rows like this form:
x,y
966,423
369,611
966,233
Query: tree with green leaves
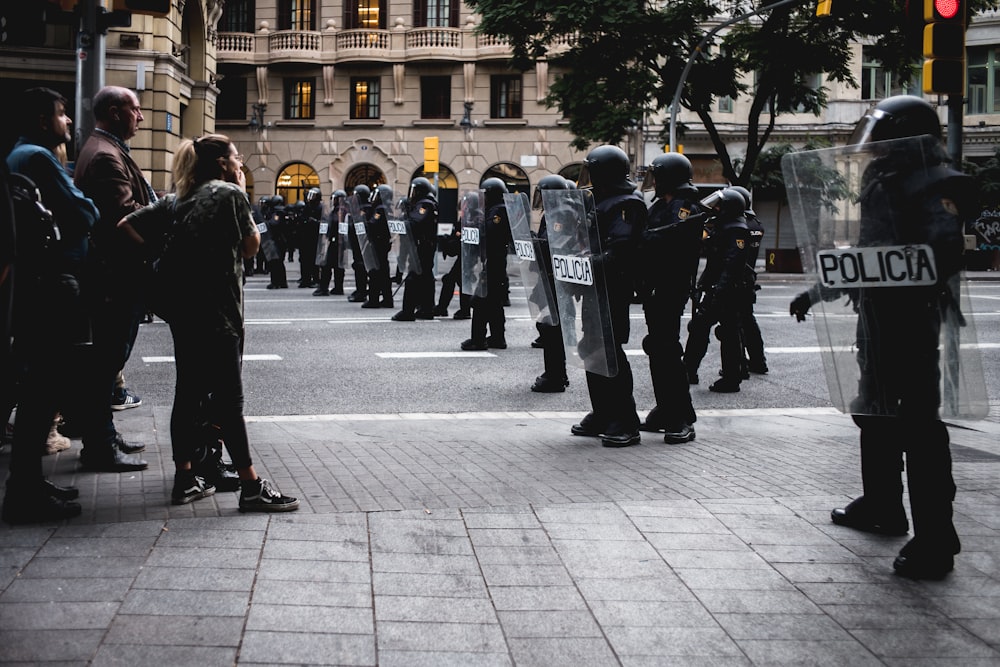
x,y
626,58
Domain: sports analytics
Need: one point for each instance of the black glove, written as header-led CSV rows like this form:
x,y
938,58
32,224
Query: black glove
x,y
800,306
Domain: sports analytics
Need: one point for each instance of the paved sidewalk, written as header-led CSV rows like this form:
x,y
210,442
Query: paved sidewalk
x,y
500,539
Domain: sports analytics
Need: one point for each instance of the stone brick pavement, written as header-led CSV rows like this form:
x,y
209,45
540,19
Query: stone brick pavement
x,y
500,539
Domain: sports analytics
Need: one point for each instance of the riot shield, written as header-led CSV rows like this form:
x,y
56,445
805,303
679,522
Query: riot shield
x,y
891,308
580,286
404,244
360,221
267,242
531,261
473,251
326,239
342,258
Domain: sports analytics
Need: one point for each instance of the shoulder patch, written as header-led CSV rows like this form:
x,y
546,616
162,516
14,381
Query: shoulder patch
x,y
423,210
949,206
497,219
683,213
740,243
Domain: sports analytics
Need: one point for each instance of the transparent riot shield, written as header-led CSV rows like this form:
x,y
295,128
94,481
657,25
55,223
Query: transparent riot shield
x,y
473,252
892,315
530,261
404,244
327,239
267,242
360,221
343,257
580,286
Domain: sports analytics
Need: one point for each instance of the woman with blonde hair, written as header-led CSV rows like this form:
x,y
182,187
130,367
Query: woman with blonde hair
x,y
206,228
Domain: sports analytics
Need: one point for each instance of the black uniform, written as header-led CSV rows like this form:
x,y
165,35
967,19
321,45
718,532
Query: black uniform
x,y
379,285
671,247
723,281
307,234
329,269
621,219
487,311
451,246
276,224
752,341
554,378
418,289
360,292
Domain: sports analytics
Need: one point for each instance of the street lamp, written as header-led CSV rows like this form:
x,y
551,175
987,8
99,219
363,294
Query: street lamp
x,y
257,119
466,122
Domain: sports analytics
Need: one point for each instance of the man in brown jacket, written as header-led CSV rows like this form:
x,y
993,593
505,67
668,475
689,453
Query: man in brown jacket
x,y
106,172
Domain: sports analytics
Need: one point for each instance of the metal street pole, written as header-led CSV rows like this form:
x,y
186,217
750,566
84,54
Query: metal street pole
x,y
90,64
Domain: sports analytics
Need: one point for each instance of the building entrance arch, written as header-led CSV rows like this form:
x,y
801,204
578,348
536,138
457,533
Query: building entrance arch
x,y
294,181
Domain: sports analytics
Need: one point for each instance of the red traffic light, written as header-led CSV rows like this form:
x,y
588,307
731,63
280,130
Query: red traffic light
x,y
947,9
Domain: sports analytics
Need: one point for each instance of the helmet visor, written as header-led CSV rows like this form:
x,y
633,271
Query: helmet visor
x,y
865,128
584,181
648,181
712,200
536,200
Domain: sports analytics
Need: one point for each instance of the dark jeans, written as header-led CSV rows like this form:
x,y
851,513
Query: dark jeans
x,y
208,364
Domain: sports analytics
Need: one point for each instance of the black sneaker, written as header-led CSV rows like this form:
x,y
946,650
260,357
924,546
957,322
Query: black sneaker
x,y
124,399
189,488
266,499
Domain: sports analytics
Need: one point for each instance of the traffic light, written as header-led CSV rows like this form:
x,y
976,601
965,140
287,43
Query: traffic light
x,y
159,8
824,8
431,155
944,46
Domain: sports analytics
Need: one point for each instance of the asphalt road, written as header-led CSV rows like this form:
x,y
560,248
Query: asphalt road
x,y
323,355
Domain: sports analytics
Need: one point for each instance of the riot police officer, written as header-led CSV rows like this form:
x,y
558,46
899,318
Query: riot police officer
x,y
723,281
450,245
909,195
620,221
671,247
487,311
422,219
554,378
331,267
379,285
360,293
753,342
278,229
307,235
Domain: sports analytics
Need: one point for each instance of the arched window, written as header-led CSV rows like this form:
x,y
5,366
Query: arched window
x,y
363,174
295,180
511,174
571,172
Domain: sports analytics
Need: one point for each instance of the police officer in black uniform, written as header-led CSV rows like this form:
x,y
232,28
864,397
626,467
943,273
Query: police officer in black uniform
x,y
360,293
331,268
906,199
671,247
418,288
554,379
308,236
753,342
450,245
379,285
277,224
724,282
487,311
621,220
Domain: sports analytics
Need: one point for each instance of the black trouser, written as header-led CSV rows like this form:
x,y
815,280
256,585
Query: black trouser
x,y
208,364
553,351
276,267
326,273
449,281
418,288
721,310
928,475
753,341
487,311
379,281
611,400
307,267
115,327
663,310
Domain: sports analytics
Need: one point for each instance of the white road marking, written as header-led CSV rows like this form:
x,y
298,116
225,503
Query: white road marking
x,y
246,357
433,355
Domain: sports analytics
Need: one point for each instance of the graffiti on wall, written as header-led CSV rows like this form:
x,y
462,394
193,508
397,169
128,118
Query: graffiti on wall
x,y
986,229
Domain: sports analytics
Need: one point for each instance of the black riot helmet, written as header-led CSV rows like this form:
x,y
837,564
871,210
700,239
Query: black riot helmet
x,y
363,192
897,117
277,200
493,190
550,182
337,196
745,194
606,169
382,194
727,204
422,188
314,196
668,172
